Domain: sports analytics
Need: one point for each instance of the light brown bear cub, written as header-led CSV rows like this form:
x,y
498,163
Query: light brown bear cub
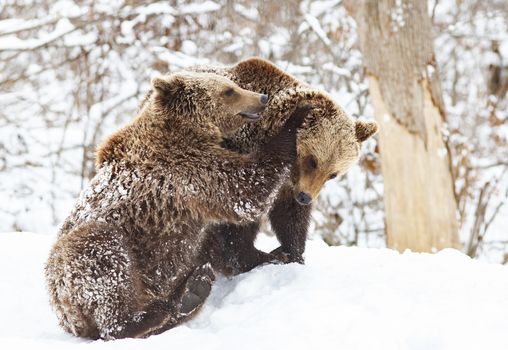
x,y
126,260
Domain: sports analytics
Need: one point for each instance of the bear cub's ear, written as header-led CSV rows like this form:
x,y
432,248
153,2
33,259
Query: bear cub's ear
x,y
167,86
365,129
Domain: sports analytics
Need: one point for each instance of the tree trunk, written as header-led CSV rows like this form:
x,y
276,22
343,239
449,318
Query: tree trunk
x,y
396,42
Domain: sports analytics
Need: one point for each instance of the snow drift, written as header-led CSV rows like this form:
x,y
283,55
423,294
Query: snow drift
x,y
343,298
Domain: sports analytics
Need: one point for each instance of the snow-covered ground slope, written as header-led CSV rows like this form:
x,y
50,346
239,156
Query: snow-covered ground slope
x,y
343,298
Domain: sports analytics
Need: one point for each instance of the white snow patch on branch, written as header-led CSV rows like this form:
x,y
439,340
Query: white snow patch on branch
x,y
195,8
12,43
316,27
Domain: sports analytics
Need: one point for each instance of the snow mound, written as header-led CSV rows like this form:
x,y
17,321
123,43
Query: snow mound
x,y
343,298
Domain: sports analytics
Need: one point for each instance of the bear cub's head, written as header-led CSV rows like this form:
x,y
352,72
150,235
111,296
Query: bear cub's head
x,y
207,98
328,148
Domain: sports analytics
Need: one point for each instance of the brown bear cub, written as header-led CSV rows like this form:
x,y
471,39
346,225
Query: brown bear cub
x,y
328,144
126,262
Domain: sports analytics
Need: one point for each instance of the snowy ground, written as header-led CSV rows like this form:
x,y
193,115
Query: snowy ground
x,y
343,298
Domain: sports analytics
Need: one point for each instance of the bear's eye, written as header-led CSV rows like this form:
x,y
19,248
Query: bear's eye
x,y
229,92
332,176
310,162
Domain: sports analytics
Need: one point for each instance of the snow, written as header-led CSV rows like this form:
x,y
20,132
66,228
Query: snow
x,y
314,24
15,24
207,6
343,298
12,43
397,16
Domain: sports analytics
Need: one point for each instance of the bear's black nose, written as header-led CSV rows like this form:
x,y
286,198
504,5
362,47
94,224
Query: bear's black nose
x,y
303,198
264,99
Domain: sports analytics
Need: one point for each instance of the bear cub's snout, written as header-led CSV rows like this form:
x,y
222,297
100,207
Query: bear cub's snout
x,y
252,112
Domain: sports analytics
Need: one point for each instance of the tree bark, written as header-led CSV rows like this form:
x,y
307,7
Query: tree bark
x,y
395,37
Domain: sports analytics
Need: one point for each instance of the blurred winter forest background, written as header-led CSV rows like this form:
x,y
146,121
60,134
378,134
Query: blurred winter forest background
x,y
73,71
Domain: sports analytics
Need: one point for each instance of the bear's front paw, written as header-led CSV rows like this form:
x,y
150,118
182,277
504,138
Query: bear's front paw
x,y
280,256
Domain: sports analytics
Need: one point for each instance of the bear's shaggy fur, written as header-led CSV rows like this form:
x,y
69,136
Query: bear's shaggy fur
x,y
126,260
328,144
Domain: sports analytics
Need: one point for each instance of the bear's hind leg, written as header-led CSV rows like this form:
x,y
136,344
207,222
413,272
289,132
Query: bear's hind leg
x,y
185,301
95,287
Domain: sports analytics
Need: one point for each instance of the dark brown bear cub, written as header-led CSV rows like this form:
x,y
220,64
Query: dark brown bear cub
x,y
126,260
329,143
